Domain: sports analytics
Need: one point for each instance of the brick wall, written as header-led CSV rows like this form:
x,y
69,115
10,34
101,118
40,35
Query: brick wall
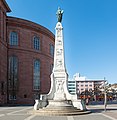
x,y
27,54
3,55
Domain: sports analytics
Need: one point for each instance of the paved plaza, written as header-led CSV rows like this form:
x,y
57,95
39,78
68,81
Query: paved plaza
x,y
20,113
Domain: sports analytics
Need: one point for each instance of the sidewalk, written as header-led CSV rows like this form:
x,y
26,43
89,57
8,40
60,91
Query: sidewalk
x,y
111,110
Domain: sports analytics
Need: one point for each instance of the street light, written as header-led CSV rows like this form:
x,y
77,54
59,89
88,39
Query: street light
x,y
104,88
105,95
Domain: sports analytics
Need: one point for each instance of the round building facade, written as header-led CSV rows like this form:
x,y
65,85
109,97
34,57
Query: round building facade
x,y
27,59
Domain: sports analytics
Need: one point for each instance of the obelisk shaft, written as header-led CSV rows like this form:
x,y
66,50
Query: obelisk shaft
x,y
59,63
59,70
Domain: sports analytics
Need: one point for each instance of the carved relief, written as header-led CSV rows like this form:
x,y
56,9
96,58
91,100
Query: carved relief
x,y
59,63
60,70
59,52
58,33
59,86
59,42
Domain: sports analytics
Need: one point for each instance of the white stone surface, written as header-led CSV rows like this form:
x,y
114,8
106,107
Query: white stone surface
x,y
59,77
36,106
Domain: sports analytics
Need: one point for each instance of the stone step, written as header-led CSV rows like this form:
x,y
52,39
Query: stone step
x,y
58,113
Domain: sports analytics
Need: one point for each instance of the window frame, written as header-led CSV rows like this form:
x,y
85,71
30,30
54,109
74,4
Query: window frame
x,y
36,43
36,76
13,72
51,49
13,38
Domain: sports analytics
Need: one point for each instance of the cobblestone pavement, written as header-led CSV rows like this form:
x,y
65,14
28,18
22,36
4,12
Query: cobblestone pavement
x,y
20,113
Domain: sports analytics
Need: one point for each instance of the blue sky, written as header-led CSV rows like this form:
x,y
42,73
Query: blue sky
x,y
90,32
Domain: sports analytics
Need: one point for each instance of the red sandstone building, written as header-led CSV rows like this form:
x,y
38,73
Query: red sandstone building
x,y
26,59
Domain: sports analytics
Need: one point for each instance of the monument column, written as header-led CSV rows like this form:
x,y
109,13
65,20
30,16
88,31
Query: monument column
x,y
59,63
59,70
59,101
59,75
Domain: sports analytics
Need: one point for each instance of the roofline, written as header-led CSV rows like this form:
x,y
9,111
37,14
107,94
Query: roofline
x,y
31,24
6,5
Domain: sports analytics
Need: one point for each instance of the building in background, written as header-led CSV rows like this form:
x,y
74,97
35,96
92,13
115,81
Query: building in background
x,y
80,85
72,86
112,91
26,59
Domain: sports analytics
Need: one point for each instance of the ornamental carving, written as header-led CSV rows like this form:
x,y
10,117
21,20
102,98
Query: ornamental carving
x,y
59,86
59,52
59,63
59,42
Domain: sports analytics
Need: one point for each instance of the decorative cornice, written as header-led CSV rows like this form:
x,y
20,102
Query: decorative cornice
x,y
12,21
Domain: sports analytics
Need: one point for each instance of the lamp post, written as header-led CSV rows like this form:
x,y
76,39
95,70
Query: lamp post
x,y
105,94
104,89
105,98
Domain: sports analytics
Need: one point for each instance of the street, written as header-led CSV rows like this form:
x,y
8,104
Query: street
x,y
21,113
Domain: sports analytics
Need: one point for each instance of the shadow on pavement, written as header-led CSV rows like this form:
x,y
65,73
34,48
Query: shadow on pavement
x,y
100,110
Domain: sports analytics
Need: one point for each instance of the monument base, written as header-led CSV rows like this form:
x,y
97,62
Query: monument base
x,y
59,108
60,104
59,101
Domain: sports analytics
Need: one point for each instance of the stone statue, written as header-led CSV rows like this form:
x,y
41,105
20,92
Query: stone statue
x,y
59,14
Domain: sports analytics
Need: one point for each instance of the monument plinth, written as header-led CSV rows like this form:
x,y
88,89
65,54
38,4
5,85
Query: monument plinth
x,y
59,101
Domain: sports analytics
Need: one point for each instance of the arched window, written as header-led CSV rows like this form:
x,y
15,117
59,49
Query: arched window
x,y
13,38
52,50
36,43
51,68
36,75
13,77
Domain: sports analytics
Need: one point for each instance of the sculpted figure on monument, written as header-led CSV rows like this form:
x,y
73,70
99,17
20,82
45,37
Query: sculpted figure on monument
x,y
59,14
59,86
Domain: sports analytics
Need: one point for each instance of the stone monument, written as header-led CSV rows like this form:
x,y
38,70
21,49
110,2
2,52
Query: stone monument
x,y
59,101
